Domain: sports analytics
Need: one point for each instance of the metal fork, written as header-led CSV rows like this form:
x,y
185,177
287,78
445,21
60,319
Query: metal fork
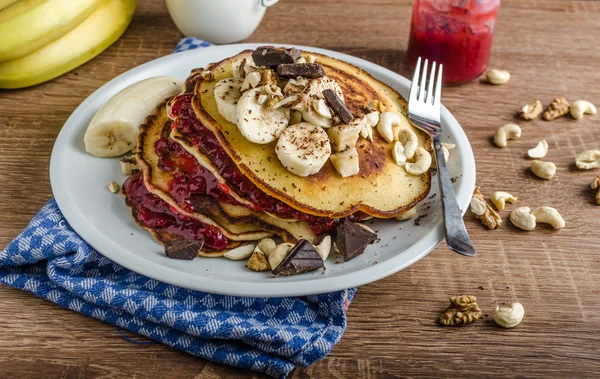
x,y
424,113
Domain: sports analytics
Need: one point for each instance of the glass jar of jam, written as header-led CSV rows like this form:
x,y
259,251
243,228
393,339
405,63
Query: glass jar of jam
x,y
455,33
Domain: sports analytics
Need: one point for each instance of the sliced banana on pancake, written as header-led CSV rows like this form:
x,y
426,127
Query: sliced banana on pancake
x,y
316,115
260,124
227,94
303,149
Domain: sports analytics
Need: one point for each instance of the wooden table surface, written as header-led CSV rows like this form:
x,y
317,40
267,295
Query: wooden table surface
x,y
550,48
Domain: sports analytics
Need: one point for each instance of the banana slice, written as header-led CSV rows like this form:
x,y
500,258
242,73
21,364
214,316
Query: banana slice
x,y
114,129
310,115
303,149
260,124
346,162
227,94
346,135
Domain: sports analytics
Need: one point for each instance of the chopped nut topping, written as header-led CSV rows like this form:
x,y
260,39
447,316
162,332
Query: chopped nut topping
x,y
557,108
462,310
532,110
483,211
596,186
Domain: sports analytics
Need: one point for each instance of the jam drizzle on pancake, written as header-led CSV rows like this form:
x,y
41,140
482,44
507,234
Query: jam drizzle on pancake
x,y
152,212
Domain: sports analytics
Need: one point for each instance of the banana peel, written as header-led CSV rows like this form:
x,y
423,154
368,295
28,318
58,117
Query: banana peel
x,y
91,37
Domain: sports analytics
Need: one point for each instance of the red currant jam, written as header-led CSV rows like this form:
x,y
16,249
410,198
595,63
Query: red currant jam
x,y
455,33
153,212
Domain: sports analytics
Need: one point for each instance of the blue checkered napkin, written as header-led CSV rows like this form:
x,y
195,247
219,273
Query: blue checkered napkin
x,y
269,335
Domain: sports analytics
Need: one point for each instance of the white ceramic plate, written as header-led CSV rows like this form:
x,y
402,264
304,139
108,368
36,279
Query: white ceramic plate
x,y
101,218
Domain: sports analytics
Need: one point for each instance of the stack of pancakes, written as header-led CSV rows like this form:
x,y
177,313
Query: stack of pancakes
x,y
200,178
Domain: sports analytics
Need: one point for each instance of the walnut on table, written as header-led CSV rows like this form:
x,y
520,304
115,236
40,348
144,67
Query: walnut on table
x,y
596,187
462,310
483,211
557,108
532,110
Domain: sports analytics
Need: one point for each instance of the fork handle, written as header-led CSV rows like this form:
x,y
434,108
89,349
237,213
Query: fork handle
x,y
456,233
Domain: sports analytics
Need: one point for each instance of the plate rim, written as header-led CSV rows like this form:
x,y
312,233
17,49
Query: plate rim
x,y
108,248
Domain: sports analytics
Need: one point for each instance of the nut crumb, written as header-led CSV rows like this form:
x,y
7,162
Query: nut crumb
x,y
461,311
113,187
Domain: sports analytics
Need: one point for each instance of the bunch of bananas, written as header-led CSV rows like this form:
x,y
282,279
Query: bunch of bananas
x,y
43,39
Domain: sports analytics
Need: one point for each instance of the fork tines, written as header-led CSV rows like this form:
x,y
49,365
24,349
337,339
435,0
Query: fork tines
x,y
425,104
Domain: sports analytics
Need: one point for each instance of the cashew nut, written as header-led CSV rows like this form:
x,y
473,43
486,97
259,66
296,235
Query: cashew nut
x,y
321,108
539,151
240,253
267,245
499,199
278,255
311,59
446,147
523,219
411,213
324,247
588,159
409,140
544,170
398,154
549,215
301,60
509,317
372,118
579,107
506,132
366,130
478,207
497,77
387,120
422,162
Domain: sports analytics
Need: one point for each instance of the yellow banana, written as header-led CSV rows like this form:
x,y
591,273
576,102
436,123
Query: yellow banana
x,y
96,33
41,24
6,3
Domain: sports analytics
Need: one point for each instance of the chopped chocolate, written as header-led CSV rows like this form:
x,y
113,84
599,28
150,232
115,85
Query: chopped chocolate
x,y
351,239
270,56
183,249
307,70
302,258
338,106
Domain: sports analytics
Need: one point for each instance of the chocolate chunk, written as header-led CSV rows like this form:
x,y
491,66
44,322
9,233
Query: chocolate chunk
x,y
338,106
302,258
183,249
352,239
271,56
308,70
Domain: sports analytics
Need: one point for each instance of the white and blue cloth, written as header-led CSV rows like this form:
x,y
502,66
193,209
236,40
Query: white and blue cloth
x,y
268,335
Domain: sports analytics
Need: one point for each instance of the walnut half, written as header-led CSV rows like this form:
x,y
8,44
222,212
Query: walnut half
x,y
462,310
483,211
531,110
557,108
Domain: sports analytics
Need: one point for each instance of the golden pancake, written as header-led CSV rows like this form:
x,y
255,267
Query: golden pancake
x,y
157,181
237,223
381,189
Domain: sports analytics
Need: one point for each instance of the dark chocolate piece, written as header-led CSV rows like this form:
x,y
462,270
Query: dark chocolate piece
x,y
183,249
308,70
352,239
338,106
302,258
270,56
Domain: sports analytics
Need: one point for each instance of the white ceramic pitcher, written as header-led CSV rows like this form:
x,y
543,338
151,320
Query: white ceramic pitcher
x,y
218,21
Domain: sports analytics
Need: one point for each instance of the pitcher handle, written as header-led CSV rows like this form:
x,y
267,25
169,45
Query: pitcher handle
x,y
268,3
